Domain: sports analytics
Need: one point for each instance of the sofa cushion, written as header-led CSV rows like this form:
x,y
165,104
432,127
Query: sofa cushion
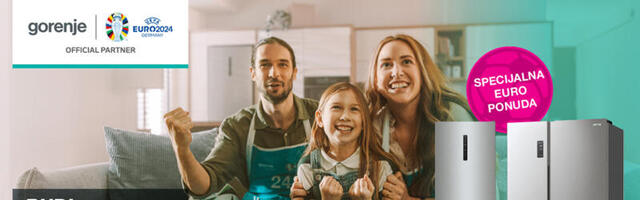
x,y
146,161
90,176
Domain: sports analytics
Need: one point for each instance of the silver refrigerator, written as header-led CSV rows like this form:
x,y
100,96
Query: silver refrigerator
x,y
572,159
528,160
465,161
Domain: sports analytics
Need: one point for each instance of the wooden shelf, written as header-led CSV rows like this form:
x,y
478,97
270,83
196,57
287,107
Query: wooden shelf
x,y
456,80
450,52
456,58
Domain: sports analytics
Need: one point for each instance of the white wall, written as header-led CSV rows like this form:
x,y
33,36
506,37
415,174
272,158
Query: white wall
x,y
57,116
199,42
5,62
367,13
179,89
196,20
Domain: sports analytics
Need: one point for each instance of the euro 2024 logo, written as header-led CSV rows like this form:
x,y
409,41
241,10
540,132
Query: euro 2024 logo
x,y
152,29
117,27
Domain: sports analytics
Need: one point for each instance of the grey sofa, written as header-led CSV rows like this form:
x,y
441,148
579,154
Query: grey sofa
x,y
89,176
140,166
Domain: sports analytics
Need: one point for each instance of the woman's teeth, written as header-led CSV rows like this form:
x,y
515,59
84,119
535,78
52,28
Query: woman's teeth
x,y
399,85
344,128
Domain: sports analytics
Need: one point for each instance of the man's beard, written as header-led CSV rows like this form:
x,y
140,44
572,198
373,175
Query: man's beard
x,y
276,99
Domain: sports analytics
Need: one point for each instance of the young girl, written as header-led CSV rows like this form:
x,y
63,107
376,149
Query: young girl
x,y
344,160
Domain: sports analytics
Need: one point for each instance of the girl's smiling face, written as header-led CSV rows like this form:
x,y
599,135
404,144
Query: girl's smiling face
x,y
341,118
397,75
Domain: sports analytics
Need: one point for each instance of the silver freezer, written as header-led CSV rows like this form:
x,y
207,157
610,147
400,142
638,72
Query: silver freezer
x,y
465,161
528,159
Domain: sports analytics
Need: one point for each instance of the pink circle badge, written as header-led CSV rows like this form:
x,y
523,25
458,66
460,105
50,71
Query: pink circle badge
x,y
509,84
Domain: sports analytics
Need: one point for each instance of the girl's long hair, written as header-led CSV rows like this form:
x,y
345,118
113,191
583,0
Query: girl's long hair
x,y
434,106
370,148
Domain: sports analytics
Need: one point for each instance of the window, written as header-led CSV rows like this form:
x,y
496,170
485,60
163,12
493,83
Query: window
x,y
150,110
152,104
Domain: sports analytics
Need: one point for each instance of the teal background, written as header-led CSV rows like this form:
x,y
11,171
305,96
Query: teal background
x,y
593,55
597,76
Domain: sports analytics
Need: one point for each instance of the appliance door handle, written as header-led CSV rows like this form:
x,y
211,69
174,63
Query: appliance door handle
x,y
464,148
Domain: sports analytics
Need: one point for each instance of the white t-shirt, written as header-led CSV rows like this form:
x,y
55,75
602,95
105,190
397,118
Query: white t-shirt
x,y
351,164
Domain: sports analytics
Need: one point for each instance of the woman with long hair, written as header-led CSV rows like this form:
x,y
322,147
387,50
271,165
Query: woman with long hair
x,y
407,95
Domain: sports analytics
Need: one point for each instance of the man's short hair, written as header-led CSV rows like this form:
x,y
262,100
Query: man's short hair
x,y
272,40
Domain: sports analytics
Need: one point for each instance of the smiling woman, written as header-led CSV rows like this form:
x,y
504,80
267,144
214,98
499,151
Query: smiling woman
x,y
408,94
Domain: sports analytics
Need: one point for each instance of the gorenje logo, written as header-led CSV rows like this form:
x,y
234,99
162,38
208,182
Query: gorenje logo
x,y
74,34
59,27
